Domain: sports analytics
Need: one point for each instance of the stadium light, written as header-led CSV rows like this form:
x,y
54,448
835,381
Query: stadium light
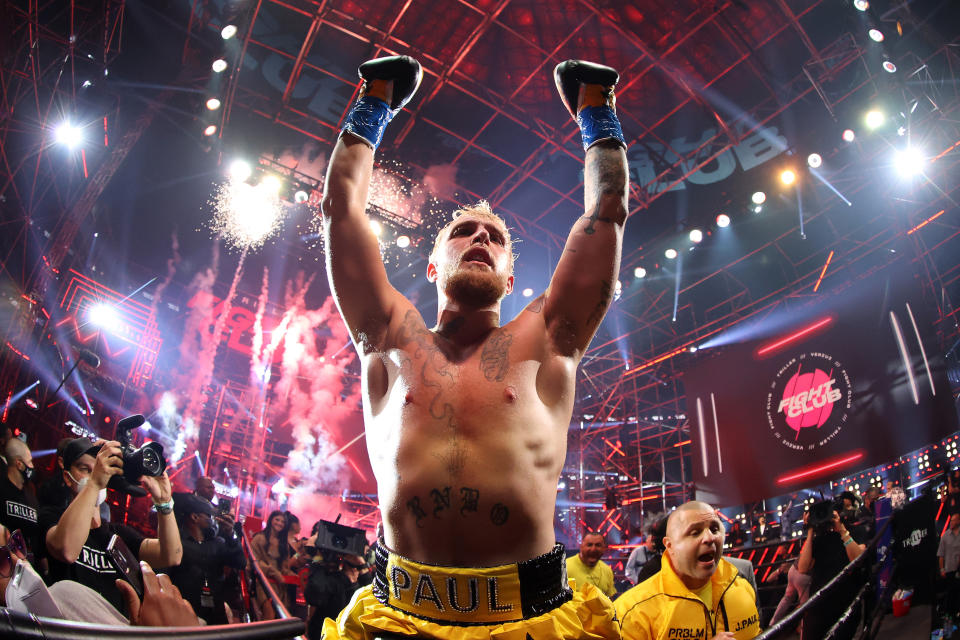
x,y
68,135
723,220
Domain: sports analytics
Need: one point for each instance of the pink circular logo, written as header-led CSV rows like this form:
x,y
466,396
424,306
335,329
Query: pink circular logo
x,y
808,399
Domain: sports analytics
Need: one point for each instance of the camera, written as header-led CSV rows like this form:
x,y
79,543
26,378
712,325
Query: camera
x,y
148,460
821,516
340,539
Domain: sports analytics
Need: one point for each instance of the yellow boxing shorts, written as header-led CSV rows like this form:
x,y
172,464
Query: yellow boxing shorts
x,y
530,600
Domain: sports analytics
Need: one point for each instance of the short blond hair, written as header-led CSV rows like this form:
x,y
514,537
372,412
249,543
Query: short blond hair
x,y
479,210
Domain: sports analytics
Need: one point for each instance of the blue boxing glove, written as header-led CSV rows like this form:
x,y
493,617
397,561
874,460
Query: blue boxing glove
x,y
370,115
587,92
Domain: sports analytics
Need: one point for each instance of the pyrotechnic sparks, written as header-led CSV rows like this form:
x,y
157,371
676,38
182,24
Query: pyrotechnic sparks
x,y
244,215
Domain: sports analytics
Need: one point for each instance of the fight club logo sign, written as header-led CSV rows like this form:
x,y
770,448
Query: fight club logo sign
x,y
809,401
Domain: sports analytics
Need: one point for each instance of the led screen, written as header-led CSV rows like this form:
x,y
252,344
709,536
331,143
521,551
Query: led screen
x,y
806,395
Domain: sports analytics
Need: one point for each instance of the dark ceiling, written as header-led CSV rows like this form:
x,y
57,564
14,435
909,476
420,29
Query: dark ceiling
x,y
715,98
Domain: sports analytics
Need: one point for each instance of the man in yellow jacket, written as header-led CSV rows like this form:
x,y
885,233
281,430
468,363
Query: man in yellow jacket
x,y
696,595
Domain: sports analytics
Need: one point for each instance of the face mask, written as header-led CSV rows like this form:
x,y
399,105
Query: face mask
x,y
210,532
27,473
82,482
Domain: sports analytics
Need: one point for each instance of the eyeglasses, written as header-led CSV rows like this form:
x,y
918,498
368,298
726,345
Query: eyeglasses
x,y
14,550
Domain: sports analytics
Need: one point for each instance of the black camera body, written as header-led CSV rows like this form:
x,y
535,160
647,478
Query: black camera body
x,y
821,516
340,538
148,460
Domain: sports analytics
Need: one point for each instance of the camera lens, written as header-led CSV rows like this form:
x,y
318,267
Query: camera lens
x,y
339,541
151,463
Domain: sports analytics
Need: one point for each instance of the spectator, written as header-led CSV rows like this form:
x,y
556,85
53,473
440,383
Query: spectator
x,y
330,584
828,548
736,537
205,488
298,554
271,549
657,531
18,507
640,556
763,532
948,560
78,603
205,555
697,593
76,539
798,590
587,566
6,435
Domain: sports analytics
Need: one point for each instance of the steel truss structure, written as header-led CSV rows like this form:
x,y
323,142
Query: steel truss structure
x,y
727,71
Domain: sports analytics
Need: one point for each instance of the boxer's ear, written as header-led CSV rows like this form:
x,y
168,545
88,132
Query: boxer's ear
x,y
431,272
509,285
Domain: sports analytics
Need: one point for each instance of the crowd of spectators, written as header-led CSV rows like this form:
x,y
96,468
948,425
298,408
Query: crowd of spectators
x,y
63,556
57,551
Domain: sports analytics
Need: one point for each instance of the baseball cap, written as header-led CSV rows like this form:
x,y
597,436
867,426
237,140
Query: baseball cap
x,y
188,503
76,448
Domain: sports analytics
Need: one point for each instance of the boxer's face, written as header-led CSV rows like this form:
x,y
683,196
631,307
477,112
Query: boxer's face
x,y
473,264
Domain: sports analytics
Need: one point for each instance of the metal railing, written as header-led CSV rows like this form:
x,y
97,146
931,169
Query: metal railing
x,y
787,624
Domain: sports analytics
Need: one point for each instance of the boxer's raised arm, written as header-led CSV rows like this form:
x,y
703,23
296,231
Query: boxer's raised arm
x,y
585,278
583,283
358,278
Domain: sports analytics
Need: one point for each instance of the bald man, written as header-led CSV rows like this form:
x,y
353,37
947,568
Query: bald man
x,y
18,507
697,594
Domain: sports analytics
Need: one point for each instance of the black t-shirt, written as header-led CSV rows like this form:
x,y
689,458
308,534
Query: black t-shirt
x,y
205,561
19,510
93,567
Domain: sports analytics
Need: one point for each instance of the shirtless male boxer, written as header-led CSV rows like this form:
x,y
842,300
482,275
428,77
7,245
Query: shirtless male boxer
x,y
466,421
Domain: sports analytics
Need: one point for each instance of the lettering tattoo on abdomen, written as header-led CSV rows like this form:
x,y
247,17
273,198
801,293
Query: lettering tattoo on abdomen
x,y
469,502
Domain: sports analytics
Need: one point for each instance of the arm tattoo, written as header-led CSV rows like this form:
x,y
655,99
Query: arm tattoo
x,y
605,174
594,218
537,305
596,316
495,357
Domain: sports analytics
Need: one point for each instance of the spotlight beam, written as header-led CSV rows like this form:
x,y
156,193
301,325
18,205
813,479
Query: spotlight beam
x,y
676,287
816,174
19,394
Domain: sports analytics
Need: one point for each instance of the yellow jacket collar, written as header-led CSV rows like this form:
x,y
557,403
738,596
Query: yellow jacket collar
x,y
724,574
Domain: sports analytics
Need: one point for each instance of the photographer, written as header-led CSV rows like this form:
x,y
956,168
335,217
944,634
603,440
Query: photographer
x,y
828,548
330,584
205,555
76,538
161,605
